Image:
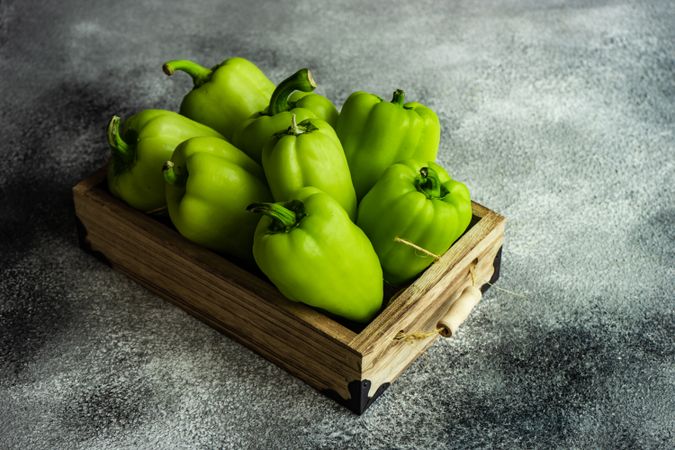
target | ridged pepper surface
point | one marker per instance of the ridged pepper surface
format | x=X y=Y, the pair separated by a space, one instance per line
x=308 y=154
x=376 y=134
x=311 y=250
x=209 y=184
x=417 y=203
x=293 y=96
x=138 y=150
x=225 y=95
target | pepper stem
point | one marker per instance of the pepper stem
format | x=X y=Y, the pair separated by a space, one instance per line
x=172 y=174
x=199 y=73
x=284 y=216
x=300 y=81
x=118 y=147
x=429 y=184
x=296 y=129
x=398 y=98
x=294 y=126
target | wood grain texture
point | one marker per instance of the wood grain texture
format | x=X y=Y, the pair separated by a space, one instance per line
x=244 y=305
x=296 y=337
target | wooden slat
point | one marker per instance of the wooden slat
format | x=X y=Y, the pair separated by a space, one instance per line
x=479 y=210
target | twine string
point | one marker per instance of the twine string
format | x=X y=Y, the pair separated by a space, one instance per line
x=417 y=247
x=420 y=335
x=515 y=294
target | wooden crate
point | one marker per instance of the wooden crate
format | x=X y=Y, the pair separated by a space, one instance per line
x=351 y=365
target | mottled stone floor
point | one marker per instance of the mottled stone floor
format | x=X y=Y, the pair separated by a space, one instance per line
x=560 y=115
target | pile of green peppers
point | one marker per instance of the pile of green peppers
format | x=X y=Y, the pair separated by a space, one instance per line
x=330 y=206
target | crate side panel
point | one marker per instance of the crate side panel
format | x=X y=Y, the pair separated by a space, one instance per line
x=405 y=307
x=242 y=313
x=392 y=357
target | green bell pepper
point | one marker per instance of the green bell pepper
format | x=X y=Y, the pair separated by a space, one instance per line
x=254 y=133
x=376 y=134
x=225 y=95
x=413 y=203
x=308 y=154
x=322 y=107
x=209 y=183
x=138 y=150
x=310 y=249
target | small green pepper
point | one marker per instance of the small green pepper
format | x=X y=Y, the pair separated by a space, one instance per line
x=413 y=203
x=138 y=150
x=376 y=134
x=254 y=133
x=308 y=154
x=310 y=249
x=209 y=184
x=225 y=95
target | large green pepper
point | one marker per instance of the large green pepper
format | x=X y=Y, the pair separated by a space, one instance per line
x=413 y=204
x=225 y=95
x=285 y=102
x=139 y=149
x=209 y=184
x=310 y=249
x=376 y=134
x=308 y=154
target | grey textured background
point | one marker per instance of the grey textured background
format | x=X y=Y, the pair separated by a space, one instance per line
x=558 y=114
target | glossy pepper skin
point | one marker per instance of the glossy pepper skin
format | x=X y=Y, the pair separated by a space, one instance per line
x=292 y=97
x=139 y=149
x=321 y=106
x=225 y=95
x=417 y=202
x=209 y=183
x=308 y=154
x=376 y=134
x=310 y=249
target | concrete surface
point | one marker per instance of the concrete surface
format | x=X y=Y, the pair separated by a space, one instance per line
x=558 y=114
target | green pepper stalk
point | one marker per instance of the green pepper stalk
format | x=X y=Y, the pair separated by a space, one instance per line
x=376 y=134
x=296 y=92
x=293 y=96
x=121 y=154
x=283 y=218
x=308 y=154
x=429 y=184
x=413 y=203
x=314 y=254
x=199 y=73
x=172 y=175
x=138 y=149
x=224 y=96
x=398 y=98
x=300 y=81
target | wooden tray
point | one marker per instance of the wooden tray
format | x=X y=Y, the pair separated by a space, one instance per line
x=351 y=365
